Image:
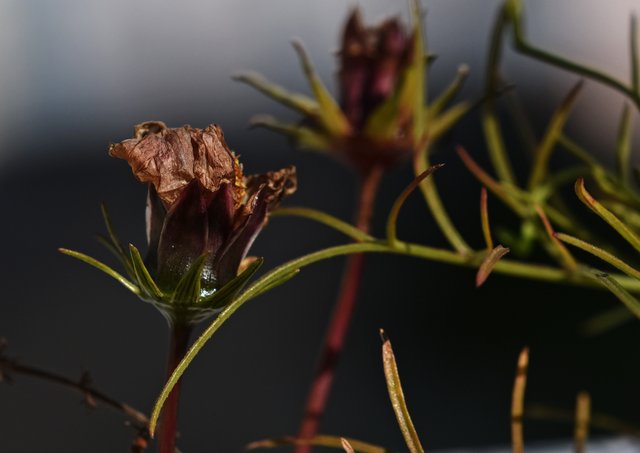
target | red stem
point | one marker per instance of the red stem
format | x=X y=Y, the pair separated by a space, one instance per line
x=341 y=317
x=178 y=343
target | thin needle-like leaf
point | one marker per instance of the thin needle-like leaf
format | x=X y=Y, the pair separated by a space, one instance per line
x=600 y=421
x=392 y=218
x=484 y=218
x=499 y=189
x=299 y=102
x=602 y=254
x=489 y=263
x=397 y=397
x=490 y=122
x=583 y=415
x=568 y=261
x=346 y=445
x=332 y=118
x=634 y=56
x=606 y=321
x=616 y=288
x=606 y=215
x=320 y=441
x=446 y=120
x=439 y=104
x=553 y=132
x=103 y=267
x=304 y=137
x=116 y=247
x=623 y=146
x=326 y=219
x=517 y=402
x=112 y=235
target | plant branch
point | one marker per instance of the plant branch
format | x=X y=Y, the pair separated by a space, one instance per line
x=341 y=318
x=178 y=343
x=10 y=367
x=432 y=197
x=523 y=46
x=507 y=267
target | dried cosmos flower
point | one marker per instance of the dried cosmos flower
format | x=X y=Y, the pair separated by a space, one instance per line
x=381 y=117
x=202 y=216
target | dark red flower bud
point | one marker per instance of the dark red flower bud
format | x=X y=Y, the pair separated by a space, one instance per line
x=372 y=60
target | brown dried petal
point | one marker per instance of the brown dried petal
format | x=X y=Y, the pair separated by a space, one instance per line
x=277 y=185
x=171 y=158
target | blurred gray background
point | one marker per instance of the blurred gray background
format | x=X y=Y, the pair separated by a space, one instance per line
x=78 y=75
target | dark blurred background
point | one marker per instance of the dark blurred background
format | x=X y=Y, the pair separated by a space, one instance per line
x=78 y=75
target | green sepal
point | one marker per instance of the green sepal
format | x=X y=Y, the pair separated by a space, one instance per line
x=332 y=117
x=442 y=123
x=299 y=102
x=304 y=137
x=113 y=243
x=223 y=296
x=441 y=102
x=103 y=267
x=187 y=290
x=145 y=281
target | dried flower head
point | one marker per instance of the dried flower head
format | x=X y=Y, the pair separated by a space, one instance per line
x=202 y=216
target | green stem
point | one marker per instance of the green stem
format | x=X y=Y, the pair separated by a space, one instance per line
x=490 y=123
x=523 y=46
x=432 y=197
x=506 y=267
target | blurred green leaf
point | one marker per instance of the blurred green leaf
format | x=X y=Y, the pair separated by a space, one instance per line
x=442 y=123
x=325 y=219
x=304 y=137
x=623 y=146
x=606 y=321
x=550 y=138
x=606 y=215
x=439 y=103
x=320 y=441
x=299 y=102
x=616 y=288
